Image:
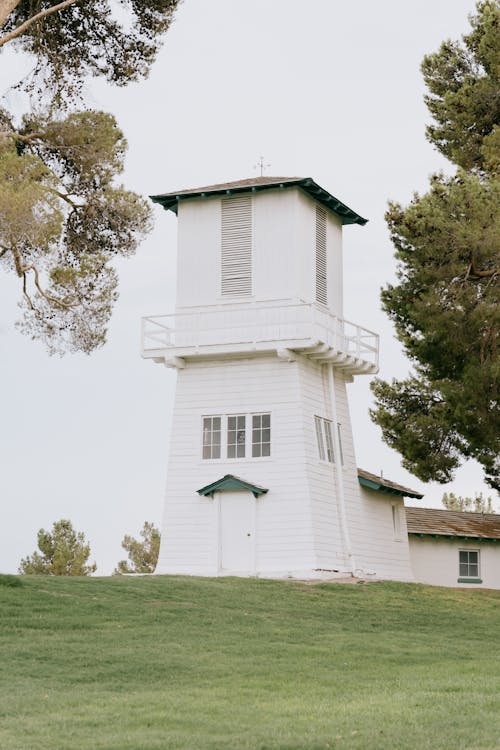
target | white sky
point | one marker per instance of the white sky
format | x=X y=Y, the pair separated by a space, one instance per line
x=325 y=89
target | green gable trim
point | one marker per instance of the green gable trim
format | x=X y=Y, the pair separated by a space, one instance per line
x=380 y=487
x=450 y=535
x=170 y=201
x=230 y=482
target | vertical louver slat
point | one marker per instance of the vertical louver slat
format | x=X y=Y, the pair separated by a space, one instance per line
x=236 y=252
x=321 y=291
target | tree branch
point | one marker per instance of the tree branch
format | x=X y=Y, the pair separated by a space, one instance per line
x=18 y=137
x=63 y=196
x=6 y=8
x=25 y=292
x=30 y=140
x=48 y=297
x=23 y=270
x=38 y=17
x=480 y=274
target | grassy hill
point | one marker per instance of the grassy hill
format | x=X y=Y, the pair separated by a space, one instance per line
x=171 y=662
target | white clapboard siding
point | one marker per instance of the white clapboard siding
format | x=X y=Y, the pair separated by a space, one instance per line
x=236 y=246
x=277 y=248
x=321 y=255
x=284 y=543
x=436 y=561
x=298 y=526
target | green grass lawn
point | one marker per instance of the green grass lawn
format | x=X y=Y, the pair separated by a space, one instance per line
x=172 y=662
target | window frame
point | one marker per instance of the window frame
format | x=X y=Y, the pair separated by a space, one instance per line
x=248 y=443
x=211 y=444
x=239 y=429
x=468 y=577
x=324 y=439
x=261 y=429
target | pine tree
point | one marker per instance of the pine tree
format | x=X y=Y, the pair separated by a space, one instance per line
x=64 y=216
x=445 y=306
x=143 y=555
x=63 y=552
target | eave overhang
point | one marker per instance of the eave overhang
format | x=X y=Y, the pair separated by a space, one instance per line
x=230 y=482
x=458 y=537
x=379 y=484
x=441 y=523
x=170 y=201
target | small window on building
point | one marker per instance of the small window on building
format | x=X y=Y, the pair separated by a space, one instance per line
x=236 y=436
x=468 y=563
x=211 y=437
x=261 y=435
x=324 y=438
x=327 y=427
x=319 y=437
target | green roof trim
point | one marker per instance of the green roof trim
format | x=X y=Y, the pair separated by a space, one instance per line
x=230 y=482
x=458 y=537
x=170 y=201
x=379 y=484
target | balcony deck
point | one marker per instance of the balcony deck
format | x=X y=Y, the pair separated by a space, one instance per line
x=249 y=329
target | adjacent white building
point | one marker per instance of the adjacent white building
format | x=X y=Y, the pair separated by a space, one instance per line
x=262 y=476
x=452 y=548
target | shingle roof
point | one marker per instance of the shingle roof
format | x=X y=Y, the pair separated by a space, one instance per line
x=170 y=201
x=374 y=482
x=452 y=523
x=250 y=182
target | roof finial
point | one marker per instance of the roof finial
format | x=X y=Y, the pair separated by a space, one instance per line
x=260 y=165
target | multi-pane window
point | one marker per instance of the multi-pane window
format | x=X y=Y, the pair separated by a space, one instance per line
x=211 y=437
x=236 y=434
x=324 y=439
x=468 y=563
x=261 y=435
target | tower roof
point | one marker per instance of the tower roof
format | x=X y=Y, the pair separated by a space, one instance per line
x=170 y=201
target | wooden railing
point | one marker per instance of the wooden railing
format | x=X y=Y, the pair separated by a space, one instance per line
x=237 y=325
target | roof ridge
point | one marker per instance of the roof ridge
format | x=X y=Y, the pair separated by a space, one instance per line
x=170 y=201
x=244 y=182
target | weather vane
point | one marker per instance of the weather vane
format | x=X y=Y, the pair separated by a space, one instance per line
x=260 y=165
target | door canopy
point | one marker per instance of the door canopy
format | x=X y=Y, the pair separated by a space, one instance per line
x=230 y=482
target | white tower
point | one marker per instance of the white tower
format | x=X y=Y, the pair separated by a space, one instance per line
x=262 y=477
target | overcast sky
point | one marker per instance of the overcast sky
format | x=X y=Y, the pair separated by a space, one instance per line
x=324 y=89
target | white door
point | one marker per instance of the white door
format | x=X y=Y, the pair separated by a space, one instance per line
x=237 y=529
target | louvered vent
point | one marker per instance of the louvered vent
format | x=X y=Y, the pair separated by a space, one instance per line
x=236 y=256
x=321 y=293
